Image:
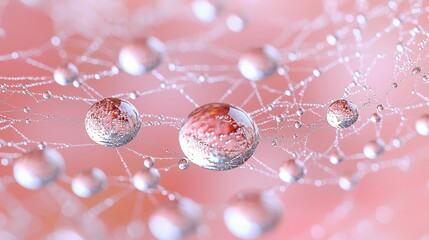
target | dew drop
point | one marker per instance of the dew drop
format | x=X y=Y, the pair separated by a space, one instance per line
x=422 y=125
x=375 y=118
x=26 y=109
x=348 y=181
x=291 y=170
x=259 y=63
x=416 y=70
x=37 y=168
x=66 y=74
x=141 y=55
x=183 y=164
x=206 y=10
x=148 y=162
x=251 y=214
x=112 y=122
x=218 y=136
x=336 y=157
x=146 y=179
x=47 y=94
x=175 y=220
x=342 y=114
x=89 y=182
x=235 y=23
x=374 y=148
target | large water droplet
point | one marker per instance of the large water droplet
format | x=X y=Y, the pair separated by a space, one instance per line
x=251 y=214
x=175 y=220
x=66 y=74
x=259 y=63
x=89 y=182
x=342 y=114
x=38 y=167
x=141 y=55
x=218 y=136
x=206 y=10
x=112 y=122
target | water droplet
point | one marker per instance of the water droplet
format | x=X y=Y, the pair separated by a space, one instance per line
x=361 y=19
x=218 y=136
x=400 y=47
x=47 y=94
x=206 y=10
x=425 y=78
x=89 y=182
x=342 y=114
x=235 y=23
x=26 y=109
x=375 y=118
x=112 y=122
x=348 y=181
x=175 y=220
x=183 y=164
x=134 y=95
x=259 y=63
x=380 y=107
x=316 y=72
x=141 y=55
x=148 y=161
x=336 y=157
x=331 y=40
x=66 y=74
x=396 y=22
x=291 y=170
x=422 y=125
x=394 y=85
x=41 y=145
x=299 y=112
x=374 y=148
x=251 y=214
x=298 y=124
x=146 y=179
x=38 y=167
x=417 y=70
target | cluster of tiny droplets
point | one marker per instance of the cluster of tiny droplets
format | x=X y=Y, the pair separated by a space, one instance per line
x=277 y=83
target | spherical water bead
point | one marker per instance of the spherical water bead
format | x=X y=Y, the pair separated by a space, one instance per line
x=336 y=157
x=218 y=136
x=206 y=10
x=380 y=107
x=89 y=182
x=235 y=23
x=342 y=114
x=375 y=118
x=26 y=109
x=175 y=220
x=374 y=148
x=148 y=161
x=417 y=70
x=146 y=179
x=292 y=170
x=66 y=74
x=348 y=181
x=299 y=112
x=251 y=214
x=47 y=94
x=141 y=55
x=38 y=167
x=112 y=122
x=183 y=164
x=259 y=63
x=422 y=125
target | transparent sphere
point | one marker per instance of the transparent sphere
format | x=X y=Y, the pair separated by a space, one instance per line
x=206 y=10
x=141 y=55
x=218 y=136
x=183 y=164
x=342 y=114
x=112 y=122
x=66 y=74
x=251 y=214
x=259 y=63
x=336 y=157
x=175 y=220
x=89 y=182
x=348 y=181
x=374 y=148
x=291 y=171
x=146 y=179
x=37 y=168
x=422 y=125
